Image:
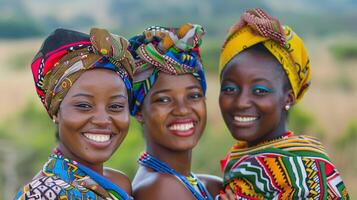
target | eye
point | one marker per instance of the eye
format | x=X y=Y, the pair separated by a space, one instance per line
x=83 y=106
x=162 y=99
x=196 y=95
x=116 y=107
x=261 y=90
x=229 y=89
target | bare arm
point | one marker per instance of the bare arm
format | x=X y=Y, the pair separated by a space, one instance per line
x=212 y=183
x=119 y=178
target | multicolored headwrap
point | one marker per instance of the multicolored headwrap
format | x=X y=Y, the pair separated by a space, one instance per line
x=174 y=51
x=255 y=26
x=66 y=54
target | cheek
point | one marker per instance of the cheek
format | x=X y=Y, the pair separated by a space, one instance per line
x=200 y=108
x=72 y=121
x=225 y=103
x=270 y=107
x=122 y=122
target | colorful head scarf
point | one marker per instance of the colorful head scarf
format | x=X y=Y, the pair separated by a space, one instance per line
x=255 y=26
x=174 y=51
x=66 y=54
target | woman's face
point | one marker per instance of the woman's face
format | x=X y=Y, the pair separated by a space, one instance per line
x=173 y=113
x=252 y=97
x=93 y=118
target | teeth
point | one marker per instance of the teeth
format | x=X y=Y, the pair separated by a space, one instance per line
x=244 y=119
x=97 y=138
x=181 y=127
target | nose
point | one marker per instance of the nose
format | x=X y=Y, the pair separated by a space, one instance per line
x=243 y=100
x=101 y=118
x=181 y=107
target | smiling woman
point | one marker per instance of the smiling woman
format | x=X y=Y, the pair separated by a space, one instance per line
x=264 y=71
x=84 y=82
x=169 y=102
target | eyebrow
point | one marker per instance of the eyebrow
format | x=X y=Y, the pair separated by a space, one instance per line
x=91 y=96
x=261 y=79
x=119 y=96
x=168 y=90
x=83 y=94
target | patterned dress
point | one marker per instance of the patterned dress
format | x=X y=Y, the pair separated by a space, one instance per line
x=66 y=179
x=292 y=167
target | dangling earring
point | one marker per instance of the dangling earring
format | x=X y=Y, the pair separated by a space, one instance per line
x=54 y=119
x=287 y=107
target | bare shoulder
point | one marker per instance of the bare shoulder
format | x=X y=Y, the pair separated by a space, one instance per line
x=159 y=186
x=212 y=183
x=119 y=178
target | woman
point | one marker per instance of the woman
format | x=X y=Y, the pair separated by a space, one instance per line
x=169 y=102
x=264 y=71
x=84 y=82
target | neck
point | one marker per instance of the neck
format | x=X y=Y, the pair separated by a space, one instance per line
x=70 y=155
x=279 y=131
x=177 y=160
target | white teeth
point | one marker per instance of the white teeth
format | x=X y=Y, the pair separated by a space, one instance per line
x=181 y=127
x=244 y=119
x=97 y=137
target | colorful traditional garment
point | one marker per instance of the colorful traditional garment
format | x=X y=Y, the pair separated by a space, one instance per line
x=291 y=167
x=255 y=26
x=191 y=182
x=169 y=50
x=62 y=178
x=66 y=54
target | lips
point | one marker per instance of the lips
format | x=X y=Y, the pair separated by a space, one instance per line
x=183 y=127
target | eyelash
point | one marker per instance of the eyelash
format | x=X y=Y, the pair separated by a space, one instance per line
x=162 y=100
x=83 y=106
x=261 y=90
x=116 y=107
x=196 y=95
x=229 y=89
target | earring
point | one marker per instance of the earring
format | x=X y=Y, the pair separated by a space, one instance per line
x=54 y=119
x=287 y=107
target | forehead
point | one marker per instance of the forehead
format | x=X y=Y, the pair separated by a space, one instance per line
x=98 y=79
x=175 y=82
x=257 y=63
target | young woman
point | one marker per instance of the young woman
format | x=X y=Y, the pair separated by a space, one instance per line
x=84 y=82
x=264 y=71
x=169 y=102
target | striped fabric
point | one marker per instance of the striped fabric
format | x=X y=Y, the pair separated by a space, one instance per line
x=293 y=167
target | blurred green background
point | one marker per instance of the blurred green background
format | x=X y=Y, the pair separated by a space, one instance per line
x=328 y=110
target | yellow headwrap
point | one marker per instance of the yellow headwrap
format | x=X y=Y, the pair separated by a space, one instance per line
x=254 y=27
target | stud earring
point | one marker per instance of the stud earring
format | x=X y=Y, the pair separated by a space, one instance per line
x=287 y=107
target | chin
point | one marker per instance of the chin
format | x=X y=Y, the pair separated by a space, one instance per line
x=98 y=158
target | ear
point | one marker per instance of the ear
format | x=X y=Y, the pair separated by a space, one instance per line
x=289 y=100
x=139 y=117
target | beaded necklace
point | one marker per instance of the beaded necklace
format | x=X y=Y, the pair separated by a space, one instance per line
x=190 y=182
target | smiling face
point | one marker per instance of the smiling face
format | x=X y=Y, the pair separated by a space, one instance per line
x=173 y=113
x=253 y=96
x=93 y=118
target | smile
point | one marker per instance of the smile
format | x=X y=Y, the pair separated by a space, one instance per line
x=181 y=127
x=244 y=119
x=97 y=137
